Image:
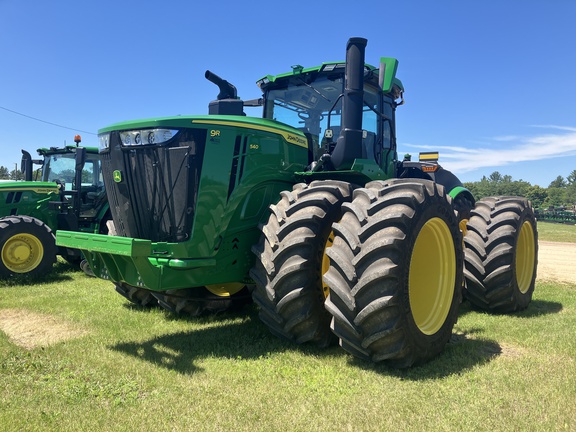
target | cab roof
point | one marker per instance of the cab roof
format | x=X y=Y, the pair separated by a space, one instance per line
x=389 y=65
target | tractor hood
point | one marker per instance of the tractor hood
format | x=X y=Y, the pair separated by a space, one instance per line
x=153 y=168
x=21 y=186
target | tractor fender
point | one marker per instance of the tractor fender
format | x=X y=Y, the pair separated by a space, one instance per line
x=442 y=176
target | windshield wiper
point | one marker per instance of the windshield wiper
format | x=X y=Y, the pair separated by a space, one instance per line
x=315 y=90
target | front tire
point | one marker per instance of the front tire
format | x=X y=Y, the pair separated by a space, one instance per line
x=28 y=247
x=501 y=254
x=288 y=270
x=138 y=296
x=395 y=276
x=212 y=299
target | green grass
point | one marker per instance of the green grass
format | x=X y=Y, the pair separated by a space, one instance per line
x=138 y=369
x=549 y=231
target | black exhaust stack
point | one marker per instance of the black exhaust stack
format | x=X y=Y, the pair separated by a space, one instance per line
x=349 y=143
x=26 y=165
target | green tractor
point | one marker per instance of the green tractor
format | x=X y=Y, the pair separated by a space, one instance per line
x=309 y=211
x=33 y=210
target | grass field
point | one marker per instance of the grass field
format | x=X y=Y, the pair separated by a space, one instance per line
x=556 y=232
x=88 y=360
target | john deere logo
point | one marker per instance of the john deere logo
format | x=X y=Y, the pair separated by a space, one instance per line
x=117 y=176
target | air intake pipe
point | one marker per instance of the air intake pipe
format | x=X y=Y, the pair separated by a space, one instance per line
x=349 y=143
x=227 y=90
x=227 y=102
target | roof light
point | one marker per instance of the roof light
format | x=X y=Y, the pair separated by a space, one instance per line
x=263 y=81
x=329 y=67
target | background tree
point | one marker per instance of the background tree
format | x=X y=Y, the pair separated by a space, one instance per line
x=482 y=188
x=571 y=179
x=571 y=195
x=16 y=174
x=559 y=182
x=556 y=197
x=561 y=192
x=537 y=195
x=571 y=189
x=495 y=177
x=498 y=184
x=4 y=173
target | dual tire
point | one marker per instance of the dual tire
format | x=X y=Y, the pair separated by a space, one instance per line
x=501 y=254
x=391 y=254
x=384 y=266
x=396 y=272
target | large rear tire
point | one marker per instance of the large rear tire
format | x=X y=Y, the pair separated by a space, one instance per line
x=395 y=272
x=289 y=264
x=501 y=254
x=28 y=247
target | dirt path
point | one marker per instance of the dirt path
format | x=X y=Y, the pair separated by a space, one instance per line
x=31 y=330
x=557 y=261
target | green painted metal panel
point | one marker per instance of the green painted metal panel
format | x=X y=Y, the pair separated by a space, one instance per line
x=456 y=191
x=390 y=67
x=30 y=199
x=103 y=243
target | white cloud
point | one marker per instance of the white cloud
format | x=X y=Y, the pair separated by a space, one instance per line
x=567 y=128
x=507 y=138
x=493 y=153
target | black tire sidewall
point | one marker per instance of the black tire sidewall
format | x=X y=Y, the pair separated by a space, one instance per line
x=370 y=271
x=432 y=344
x=302 y=318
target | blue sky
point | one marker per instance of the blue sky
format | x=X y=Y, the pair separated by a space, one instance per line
x=489 y=84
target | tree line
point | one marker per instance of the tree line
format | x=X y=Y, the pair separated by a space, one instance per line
x=6 y=174
x=561 y=192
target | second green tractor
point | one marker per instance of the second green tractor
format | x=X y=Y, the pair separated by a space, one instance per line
x=67 y=192
x=309 y=212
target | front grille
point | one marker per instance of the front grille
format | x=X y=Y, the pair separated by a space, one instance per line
x=155 y=198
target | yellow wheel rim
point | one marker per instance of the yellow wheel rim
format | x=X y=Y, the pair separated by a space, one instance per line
x=22 y=253
x=326 y=263
x=525 y=253
x=462 y=225
x=432 y=276
x=225 y=290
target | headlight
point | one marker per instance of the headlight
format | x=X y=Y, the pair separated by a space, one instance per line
x=104 y=140
x=146 y=136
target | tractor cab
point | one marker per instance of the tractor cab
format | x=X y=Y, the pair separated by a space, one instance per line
x=59 y=166
x=311 y=100
x=77 y=172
